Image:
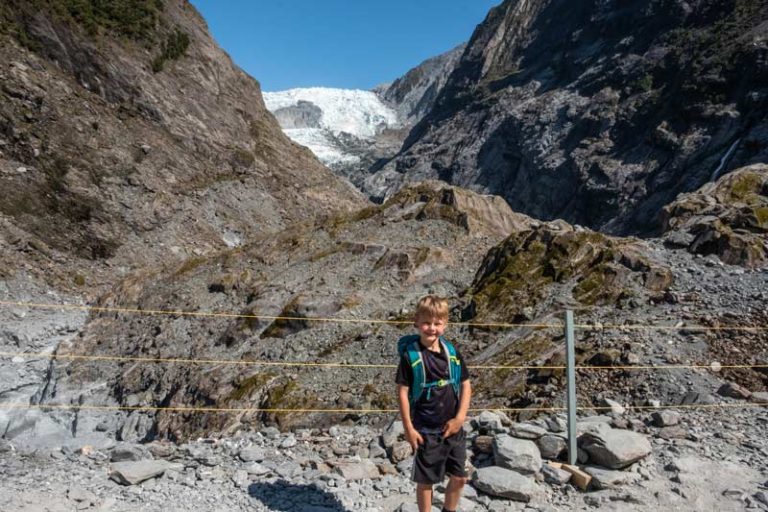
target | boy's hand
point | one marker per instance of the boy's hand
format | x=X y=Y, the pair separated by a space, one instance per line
x=452 y=426
x=414 y=438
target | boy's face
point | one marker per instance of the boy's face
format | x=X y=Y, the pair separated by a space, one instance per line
x=430 y=328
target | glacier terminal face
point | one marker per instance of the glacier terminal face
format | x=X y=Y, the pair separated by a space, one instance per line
x=320 y=118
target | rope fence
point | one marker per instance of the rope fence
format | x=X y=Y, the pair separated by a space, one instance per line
x=570 y=368
x=238 y=410
x=162 y=360
x=204 y=314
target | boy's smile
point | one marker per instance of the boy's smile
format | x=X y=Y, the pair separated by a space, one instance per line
x=430 y=329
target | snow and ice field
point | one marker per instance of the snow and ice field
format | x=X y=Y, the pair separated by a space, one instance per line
x=355 y=112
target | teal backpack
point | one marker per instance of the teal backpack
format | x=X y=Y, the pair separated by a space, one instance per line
x=409 y=345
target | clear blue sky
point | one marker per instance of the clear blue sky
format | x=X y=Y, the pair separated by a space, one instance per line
x=354 y=44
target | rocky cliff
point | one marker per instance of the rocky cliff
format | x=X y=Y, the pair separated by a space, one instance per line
x=414 y=94
x=598 y=112
x=128 y=140
x=128 y=136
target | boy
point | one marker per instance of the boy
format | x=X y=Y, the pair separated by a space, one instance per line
x=433 y=415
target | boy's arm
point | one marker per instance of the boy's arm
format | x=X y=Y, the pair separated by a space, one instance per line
x=411 y=434
x=454 y=425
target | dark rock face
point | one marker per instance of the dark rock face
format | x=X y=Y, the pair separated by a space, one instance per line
x=414 y=94
x=596 y=112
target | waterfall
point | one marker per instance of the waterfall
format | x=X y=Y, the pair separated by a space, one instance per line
x=723 y=160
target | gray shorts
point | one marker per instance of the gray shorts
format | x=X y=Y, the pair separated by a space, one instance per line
x=438 y=456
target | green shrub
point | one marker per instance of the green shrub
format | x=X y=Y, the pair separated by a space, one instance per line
x=645 y=83
x=175 y=46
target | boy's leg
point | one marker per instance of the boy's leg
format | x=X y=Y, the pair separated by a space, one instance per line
x=453 y=492
x=456 y=460
x=424 y=497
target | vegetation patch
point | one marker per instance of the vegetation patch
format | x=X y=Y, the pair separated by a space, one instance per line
x=189 y=265
x=174 y=46
x=243 y=388
x=521 y=271
x=135 y=19
x=746 y=188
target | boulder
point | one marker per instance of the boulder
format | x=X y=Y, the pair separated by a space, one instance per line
x=733 y=390
x=673 y=432
x=613 y=406
x=608 y=479
x=665 y=418
x=351 y=471
x=126 y=452
x=614 y=449
x=252 y=454
x=505 y=483
x=551 y=446
x=135 y=472
x=489 y=422
x=401 y=451
x=553 y=475
x=520 y=455
x=526 y=431
x=392 y=434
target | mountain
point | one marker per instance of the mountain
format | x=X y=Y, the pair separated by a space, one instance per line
x=129 y=137
x=596 y=112
x=413 y=94
x=351 y=130
x=128 y=140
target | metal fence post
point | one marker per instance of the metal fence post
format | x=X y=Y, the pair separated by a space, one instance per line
x=570 y=371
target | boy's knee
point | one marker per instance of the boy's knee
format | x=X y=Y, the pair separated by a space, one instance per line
x=424 y=487
x=458 y=481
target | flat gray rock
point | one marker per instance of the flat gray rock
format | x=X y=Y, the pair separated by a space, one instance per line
x=526 y=431
x=357 y=470
x=553 y=475
x=135 y=472
x=252 y=454
x=505 y=483
x=520 y=455
x=609 y=479
x=615 y=449
x=126 y=452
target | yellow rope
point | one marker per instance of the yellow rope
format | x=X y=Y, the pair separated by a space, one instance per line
x=45 y=355
x=586 y=327
x=11 y=405
x=253 y=317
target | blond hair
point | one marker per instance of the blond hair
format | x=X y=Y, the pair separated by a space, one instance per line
x=432 y=306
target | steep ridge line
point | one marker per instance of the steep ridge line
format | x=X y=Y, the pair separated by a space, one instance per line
x=584 y=327
x=42 y=355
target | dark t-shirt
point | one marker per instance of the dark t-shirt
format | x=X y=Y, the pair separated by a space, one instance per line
x=429 y=415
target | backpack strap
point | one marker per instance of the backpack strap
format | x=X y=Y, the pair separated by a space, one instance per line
x=409 y=346
x=454 y=366
x=419 y=373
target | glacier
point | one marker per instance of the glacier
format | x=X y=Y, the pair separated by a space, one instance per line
x=316 y=117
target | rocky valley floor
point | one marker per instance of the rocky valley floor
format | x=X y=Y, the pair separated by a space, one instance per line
x=716 y=461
